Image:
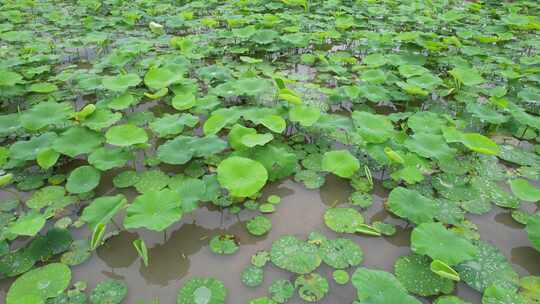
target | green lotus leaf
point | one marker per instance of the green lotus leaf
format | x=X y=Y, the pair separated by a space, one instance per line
x=224 y=244
x=434 y=240
x=341 y=162
x=500 y=295
x=429 y=145
x=486 y=113
x=260 y=258
x=192 y=291
x=16 y=262
x=294 y=255
x=125 y=179
x=479 y=143
x=426 y=122
x=83 y=179
x=122 y=101
x=444 y=271
x=76 y=141
x=467 y=76
x=412 y=205
x=151 y=180
x=525 y=190
x=9 y=124
x=311 y=287
x=449 y=300
x=29 y=149
x=191 y=191
x=43 y=87
x=376 y=286
x=519 y=156
x=252 y=140
x=219 y=119
x=107 y=158
x=9 y=78
x=102 y=210
x=184 y=101
x=533 y=230
x=154 y=210
x=409 y=70
x=45 y=282
x=281 y=291
x=237 y=133
x=278 y=160
x=372 y=127
x=159 y=78
x=46 y=114
x=44 y=247
x=126 y=135
x=28 y=224
x=172 y=124
x=306 y=116
x=242 y=177
x=252 y=276
x=79 y=253
x=182 y=149
x=259 y=225
x=101 y=119
x=264 y=36
x=341 y=276
x=343 y=220
x=414 y=273
x=274 y=123
x=69 y=298
x=530 y=289
x=47 y=158
x=120 y=83
x=341 y=253
x=46 y=196
x=109 y=292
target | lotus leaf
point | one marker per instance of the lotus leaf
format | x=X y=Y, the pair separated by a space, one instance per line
x=341 y=162
x=191 y=292
x=43 y=87
x=126 y=135
x=259 y=225
x=449 y=300
x=45 y=282
x=413 y=271
x=341 y=253
x=126 y=179
x=154 y=210
x=101 y=119
x=372 y=127
x=120 y=83
x=376 y=286
x=304 y=115
x=45 y=114
x=103 y=209
x=172 y=124
x=76 y=141
x=500 y=295
x=183 y=148
x=533 y=230
x=341 y=276
x=159 y=78
x=46 y=196
x=467 y=76
x=281 y=291
x=28 y=224
x=108 y=292
x=107 y=158
x=411 y=205
x=293 y=255
x=252 y=276
x=224 y=244
x=242 y=177
x=429 y=145
x=525 y=190
x=151 y=180
x=83 y=179
x=343 y=220
x=311 y=287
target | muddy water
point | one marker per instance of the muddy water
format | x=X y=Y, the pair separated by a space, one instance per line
x=182 y=252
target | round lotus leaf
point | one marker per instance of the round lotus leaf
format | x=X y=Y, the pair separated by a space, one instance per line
x=533 y=230
x=76 y=141
x=202 y=291
x=341 y=276
x=109 y=292
x=412 y=205
x=46 y=196
x=311 y=287
x=69 y=297
x=264 y=36
x=242 y=177
x=45 y=114
x=126 y=135
x=274 y=199
x=159 y=78
x=310 y=178
x=184 y=101
x=384 y=228
x=252 y=276
x=306 y=116
x=488 y=267
x=376 y=286
x=499 y=295
x=434 y=240
x=107 y=158
x=103 y=209
x=281 y=291
x=83 y=179
x=372 y=127
x=126 y=179
x=172 y=124
x=414 y=273
x=480 y=143
x=467 y=76
x=341 y=253
x=152 y=180
x=342 y=163
x=224 y=244
x=260 y=258
x=120 y=83
x=343 y=220
x=181 y=149
x=259 y=225
x=45 y=282
x=122 y=102
x=30 y=299
x=154 y=210
x=294 y=255
x=525 y=190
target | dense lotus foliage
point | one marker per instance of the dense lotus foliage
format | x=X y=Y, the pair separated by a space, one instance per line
x=123 y=115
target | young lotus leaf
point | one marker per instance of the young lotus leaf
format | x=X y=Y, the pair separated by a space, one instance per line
x=47 y=158
x=341 y=253
x=260 y=258
x=122 y=102
x=372 y=127
x=410 y=204
x=413 y=271
x=525 y=190
x=341 y=162
x=183 y=148
x=28 y=224
x=274 y=123
x=533 y=230
x=341 y=277
x=45 y=114
x=252 y=276
x=45 y=282
x=108 y=292
x=343 y=220
x=444 y=271
x=242 y=177
x=154 y=210
x=126 y=135
x=159 y=78
x=480 y=143
x=83 y=179
x=306 y=116
x=434 y=240
x=202 y=291
x=103 y=209
x=120 y=83
x=311 y=287
x=76 y=141
x=429 y=145
x=281 y=291
x=79 y=253
x=376 y=286
x=224 y=244
x=126 y=179
x=294 y=255
x=467 y=76
x=259 y=225
x=107 y=158
x=237 y=133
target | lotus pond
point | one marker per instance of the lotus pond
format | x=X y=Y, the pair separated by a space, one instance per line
x=265 y=152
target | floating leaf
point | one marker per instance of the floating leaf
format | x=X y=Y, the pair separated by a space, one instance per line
x=83 y=179
x=293 y=255
x=412 y=205
x=191 y=291
x=259 y=225
x=224 y=244
x=342 y=163
x=372 y=127
x=154 y=210
x=120 y=83
x=525 y=190
x=108 y=292
x=126 y=135
x=341 y=253
x=414 y=273
x=343 y=220
x=281 y=291
x=45 y=282
x=311 y=287
x=376 y=286
x=252 y=276
x=243 y=177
